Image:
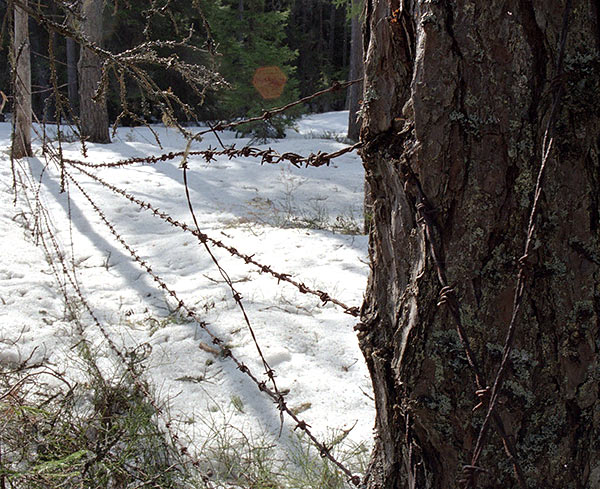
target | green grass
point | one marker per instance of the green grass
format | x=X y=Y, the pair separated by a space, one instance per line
x=237 y=457
x=103 y=432
x=97 y=433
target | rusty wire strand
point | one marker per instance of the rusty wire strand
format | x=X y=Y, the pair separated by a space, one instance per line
x=269 y=156
x=237 y=297
x=448 y=297
x=70 y=277
x=267 y=114
x=547 y=145
x=226 y=352
x=202 y=237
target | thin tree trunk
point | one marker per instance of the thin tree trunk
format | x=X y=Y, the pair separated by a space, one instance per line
x=354 y=95
x=72 y=90
x=93 y=114
x=459 y=94
x=21 y=144
x=39 y=72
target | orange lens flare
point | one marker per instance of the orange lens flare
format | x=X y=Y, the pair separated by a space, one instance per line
x=269 y=81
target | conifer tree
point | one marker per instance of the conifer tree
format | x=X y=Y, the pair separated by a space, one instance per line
x=251 y=36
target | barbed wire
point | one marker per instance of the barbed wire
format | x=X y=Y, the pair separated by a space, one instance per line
x=423 y=209
x=325 y=298
x=276 y=396
x=266 y=156
x=448 y=296
x=269 y=156
x=237 y=297
x=124 y=63
x=43 y=230
x=547 y=145
x=267 y=114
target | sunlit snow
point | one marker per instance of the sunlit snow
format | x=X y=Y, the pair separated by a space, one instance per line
x=291 y=219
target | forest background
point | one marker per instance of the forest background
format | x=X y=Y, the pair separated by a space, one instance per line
x=308 y=40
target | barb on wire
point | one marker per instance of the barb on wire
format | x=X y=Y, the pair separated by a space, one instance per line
x=69 y=278
x=276 y=396
x=273 y=157
x=237 y=297
x=202 y=237
x=449 y=298
x=269 y=156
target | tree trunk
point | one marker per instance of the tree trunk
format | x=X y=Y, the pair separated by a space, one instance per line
x=21 y=144
x=356 y=71
x=93 y=114
x=458 y=95
x=72 y=90
x=39 y=72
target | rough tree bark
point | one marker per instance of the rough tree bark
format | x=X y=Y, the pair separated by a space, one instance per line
x=457 y=98
x=356 y=71
x=21 y=144
x=93 y=114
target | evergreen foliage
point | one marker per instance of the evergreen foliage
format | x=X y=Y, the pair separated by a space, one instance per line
x=250 y=36
x=307 y=39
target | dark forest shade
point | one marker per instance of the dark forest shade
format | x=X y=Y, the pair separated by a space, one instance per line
x=312 y=46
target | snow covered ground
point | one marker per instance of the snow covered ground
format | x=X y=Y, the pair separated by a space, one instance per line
x=281 y=215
